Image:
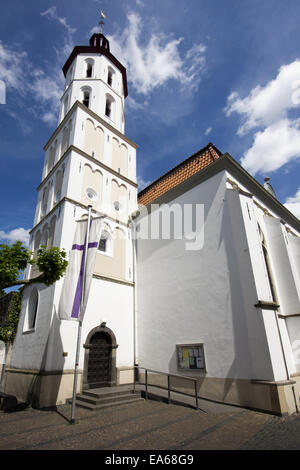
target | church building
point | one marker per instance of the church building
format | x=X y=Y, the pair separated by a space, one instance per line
x=197 y=276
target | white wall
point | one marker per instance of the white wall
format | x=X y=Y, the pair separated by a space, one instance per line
x=201 y=296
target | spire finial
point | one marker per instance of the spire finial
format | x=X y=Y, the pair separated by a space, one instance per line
x=103 y=16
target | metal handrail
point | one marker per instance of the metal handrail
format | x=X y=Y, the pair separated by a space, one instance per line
x=169 y=387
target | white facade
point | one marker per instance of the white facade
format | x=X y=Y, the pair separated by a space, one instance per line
x=231 y=295
x=219 y=296
x=88 y=161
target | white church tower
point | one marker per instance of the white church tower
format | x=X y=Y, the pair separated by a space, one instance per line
x=88 y=161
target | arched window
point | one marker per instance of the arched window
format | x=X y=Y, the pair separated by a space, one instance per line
x=105 y=244
x=65 y=106
x=268 y=265
x=45 y=236
x=66 y=137
x=44 y=204
x=37 y=241
x=110 y=76
x=51 y=158
x=89 y=68
x=32 y=310
x=86 y=98
x=58 y=185
x=52 y=231
x=109 y=107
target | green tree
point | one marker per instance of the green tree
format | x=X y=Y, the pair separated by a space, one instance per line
x=51 y=263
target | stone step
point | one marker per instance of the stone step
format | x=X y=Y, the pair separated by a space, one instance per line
x=100 y=406
x=104 y=393
x=96 y=400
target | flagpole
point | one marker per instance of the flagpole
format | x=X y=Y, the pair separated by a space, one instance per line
x=72 y=421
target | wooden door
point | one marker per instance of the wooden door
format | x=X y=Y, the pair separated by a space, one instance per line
x=99 y=364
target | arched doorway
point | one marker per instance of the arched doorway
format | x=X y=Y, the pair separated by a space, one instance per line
x=100 y=359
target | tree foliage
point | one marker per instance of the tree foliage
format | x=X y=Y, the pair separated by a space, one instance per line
x=13 y=260
x=8 y=332
x=51 y=263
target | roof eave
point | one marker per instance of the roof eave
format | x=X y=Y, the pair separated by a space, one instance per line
x=227 y=162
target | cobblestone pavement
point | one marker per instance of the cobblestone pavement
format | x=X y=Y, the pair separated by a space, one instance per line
x=148 y=425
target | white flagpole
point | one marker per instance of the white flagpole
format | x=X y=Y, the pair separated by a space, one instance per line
x=79 y=321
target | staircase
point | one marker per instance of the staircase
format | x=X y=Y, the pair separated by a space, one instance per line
x=100 y=398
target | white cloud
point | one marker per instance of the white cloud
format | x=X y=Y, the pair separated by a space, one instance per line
x=18 y=234
x=266 y=105
x=208 y=130
x=278 y=140
x=293 y=204
x=152 y=64
x=47 y=91
x=67 y=47
x=12 y=67
x=133 y=104
x=273 y=147
x=142 y=184
x=50 y=118
x=43 y=86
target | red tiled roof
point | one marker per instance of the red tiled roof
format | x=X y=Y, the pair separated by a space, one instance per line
x=180 y=173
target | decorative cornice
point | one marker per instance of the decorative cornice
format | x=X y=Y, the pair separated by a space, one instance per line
x=113 y=279
x=91 y=159
x=102 y=165
x=227 y=163
x=78 y=204
x=264 y=209
x=106 y=124
x=60 y=126
x=289 y=315
x=236 y=187
x=97 y=50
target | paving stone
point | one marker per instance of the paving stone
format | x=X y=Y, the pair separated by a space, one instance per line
x=149 y=425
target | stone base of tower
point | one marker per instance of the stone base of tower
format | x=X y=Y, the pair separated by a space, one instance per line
x=51 y=388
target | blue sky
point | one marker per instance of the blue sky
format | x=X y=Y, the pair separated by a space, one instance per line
x=226 y=71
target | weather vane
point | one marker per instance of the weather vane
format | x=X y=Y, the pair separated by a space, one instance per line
x=103 y=16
